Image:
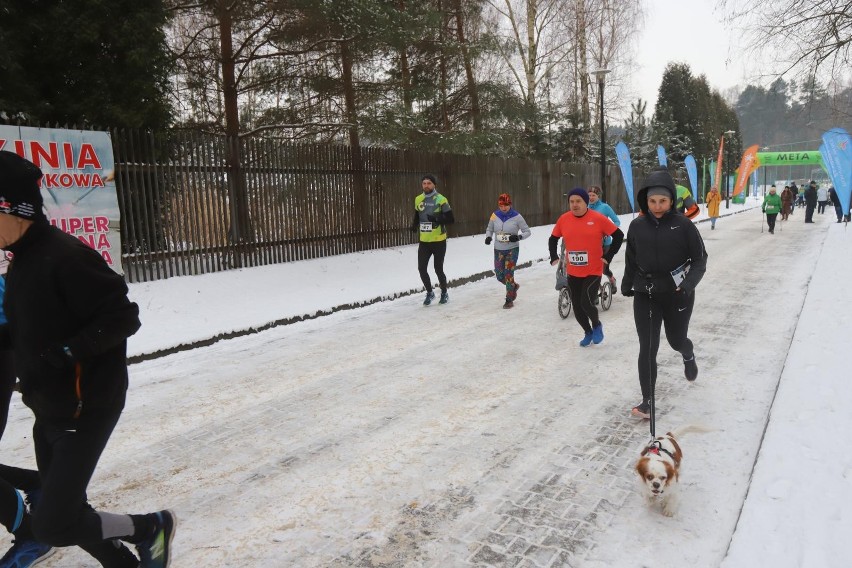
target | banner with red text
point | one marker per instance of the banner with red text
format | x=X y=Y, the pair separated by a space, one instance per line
x=78 y=185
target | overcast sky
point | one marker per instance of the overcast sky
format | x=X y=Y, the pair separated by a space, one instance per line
x=688 y=31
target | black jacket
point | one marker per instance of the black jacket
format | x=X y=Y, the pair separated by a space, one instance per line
x=656 y=247
x=61 y=293
x=810 y=195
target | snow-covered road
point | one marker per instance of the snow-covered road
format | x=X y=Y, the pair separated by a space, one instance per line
x=398 y=435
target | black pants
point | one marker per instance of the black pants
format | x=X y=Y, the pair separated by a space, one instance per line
x=583 y=292
x=770 y=220
x=809 y=212
x=650 y=312
x=839 y=211
x=438 y=250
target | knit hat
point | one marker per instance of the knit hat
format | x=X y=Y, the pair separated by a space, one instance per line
x=430 y=177
x=504 y=199
x=19 y=192
x=658 y=190
x=581 y=192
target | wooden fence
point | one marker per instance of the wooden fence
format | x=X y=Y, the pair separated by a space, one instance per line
x=194 y=203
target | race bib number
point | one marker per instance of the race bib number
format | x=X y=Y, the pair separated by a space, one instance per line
x=679 y=273
x=502 y=238
x=578 y=257
x=426 y=227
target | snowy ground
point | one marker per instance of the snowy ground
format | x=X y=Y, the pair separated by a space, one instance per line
x=467 y=435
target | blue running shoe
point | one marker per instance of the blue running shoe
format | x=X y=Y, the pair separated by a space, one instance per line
x=430 y=295
x=445 y=297
x=156 y=550
x=25 y=553
x=587 y=340
x=597 y=334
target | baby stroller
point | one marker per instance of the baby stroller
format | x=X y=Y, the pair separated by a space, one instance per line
x=605 y=292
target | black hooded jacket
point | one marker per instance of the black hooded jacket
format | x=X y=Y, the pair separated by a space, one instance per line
x=61 y=293
x=656 y=247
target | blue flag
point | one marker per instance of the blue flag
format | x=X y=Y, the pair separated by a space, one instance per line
x=623 y=155
x=692 y=172
x=836 y=154
x=661 y=156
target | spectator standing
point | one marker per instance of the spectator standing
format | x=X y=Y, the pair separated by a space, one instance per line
x=713 y=199
x=810 y=201
x=822 y=199
x=786 y=202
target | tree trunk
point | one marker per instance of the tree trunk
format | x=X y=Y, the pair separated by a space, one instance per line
x=405 y=71
x=445 y=115
x=468 y=69
x=357 y=160
x=240 y=229
x=583 y=72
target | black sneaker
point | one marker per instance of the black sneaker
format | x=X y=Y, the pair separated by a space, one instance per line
x=430 y=295
x=156 y=550
x=690 y=369
x=642 y=410
x=445 y=297
x=509 y=304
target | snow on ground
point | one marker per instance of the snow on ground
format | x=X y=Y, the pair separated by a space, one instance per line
x=466 y=435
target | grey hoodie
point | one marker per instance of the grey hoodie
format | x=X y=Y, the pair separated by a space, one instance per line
x=511 y=226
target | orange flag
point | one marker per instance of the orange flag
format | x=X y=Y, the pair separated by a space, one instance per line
x=749 y=163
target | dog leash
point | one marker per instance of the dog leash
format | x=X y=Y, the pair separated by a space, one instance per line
x=652 y=383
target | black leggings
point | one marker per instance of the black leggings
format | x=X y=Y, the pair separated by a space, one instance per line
x=584 y=291
x=426 y=250
x=650 y=312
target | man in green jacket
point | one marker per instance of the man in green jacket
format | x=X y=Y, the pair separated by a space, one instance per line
x=771 y=206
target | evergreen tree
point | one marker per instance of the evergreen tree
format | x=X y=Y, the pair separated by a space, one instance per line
x=87 y=62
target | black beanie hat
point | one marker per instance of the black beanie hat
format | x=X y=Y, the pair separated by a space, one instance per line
x=430 y=177
x=581 y=192
x=19 y=192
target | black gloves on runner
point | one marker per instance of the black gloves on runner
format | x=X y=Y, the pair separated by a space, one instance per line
x=627 y=292
x=514 y=238
x=58 y=357
x=487 y=240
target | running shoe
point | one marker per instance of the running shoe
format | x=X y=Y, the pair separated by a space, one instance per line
x=690 y=369
x=509 y=304
x=587 y=339
x=445 y=297
x=156 y=550
x=430 y=295
x=25 y=553
x=597 y=333
x=642 y=410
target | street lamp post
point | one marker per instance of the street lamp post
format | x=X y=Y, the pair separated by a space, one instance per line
x=730 y=135
x=600 y=74
x=765 y=149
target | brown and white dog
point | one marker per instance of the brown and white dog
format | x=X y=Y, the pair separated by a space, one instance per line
x=659 y=469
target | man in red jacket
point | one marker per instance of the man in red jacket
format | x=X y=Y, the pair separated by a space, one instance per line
x=583 y=230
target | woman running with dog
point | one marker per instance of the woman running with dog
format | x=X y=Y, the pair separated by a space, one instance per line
x=664 y=262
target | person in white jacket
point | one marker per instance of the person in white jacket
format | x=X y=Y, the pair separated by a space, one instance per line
x=822 y=199
x=506 y=228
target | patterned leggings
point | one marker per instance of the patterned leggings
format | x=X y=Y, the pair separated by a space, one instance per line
x=504 y=269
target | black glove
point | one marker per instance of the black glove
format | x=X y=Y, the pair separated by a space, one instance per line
x=487 y=240
x=627 y=292
x=58 y=356
x=434 y=219
x=514 y=238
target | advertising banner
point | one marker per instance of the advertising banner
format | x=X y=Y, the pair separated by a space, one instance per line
x=78 y=185
x=837 y=153
x=692 y=172
x=661 y=156
x=748 y=164
x=718 y=175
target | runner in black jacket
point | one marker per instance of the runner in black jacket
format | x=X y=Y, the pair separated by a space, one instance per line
x=665 y=260
x=68 y=323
